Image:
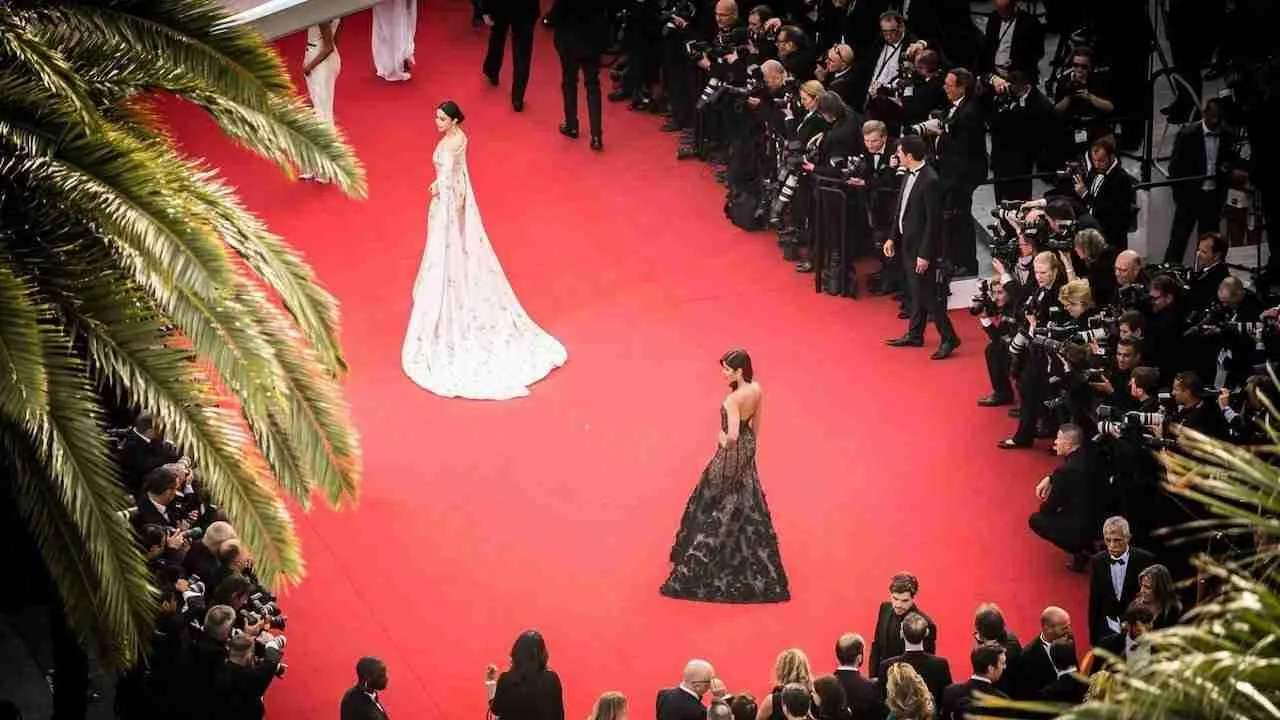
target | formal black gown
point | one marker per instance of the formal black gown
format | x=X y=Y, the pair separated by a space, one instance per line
x=726 y=549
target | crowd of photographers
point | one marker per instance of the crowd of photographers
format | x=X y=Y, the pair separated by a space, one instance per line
x=798 y=104
x=218 y=642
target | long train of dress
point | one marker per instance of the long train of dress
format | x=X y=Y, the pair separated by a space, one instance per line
x=726 y=549
x=468 y=335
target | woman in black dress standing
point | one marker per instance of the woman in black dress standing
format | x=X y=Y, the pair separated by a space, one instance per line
x=529 y=690
x=726 y=549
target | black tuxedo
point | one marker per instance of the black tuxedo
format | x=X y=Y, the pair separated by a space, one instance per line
x=888 y=642
x=860 y=25
x=1195 y=207
x=962 y=164
x=1103 y=601
x=358 y=705
x=678 y=704
x=1018 y=144
x=149 y=514
x=1065 y=689
x=925 y=97
x=935 y=671
x=1068 y=517
x=1033 y=671
x=862 y=695
x=1027 y=44
x=919 y=235
x=519 y=18
x=868 y=68
x=1204 y=285
x=846 y=86
x=957 y=698
x=581 y=33
x=1112 y=204
x=1114 y=644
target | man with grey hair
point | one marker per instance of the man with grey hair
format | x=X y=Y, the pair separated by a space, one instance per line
x=1113 y=578
x=684 y=702
x=862 y=694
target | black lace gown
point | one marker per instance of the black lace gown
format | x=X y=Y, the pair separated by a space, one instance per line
x=726 y=549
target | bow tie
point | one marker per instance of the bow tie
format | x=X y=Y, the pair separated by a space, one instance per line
x=1117 y=561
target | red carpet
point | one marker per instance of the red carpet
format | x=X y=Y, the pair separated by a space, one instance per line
x=479 y=520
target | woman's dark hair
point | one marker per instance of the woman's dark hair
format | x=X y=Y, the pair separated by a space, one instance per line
x=450 y=108
x=528 y=654
x=832 y=702
x=738 y=360
x=743 y=706
x=830 y=104
x=1163 y=592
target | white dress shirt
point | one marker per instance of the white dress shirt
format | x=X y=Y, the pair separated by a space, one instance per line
x=1211 y=139
x=907 y=187
x=1117 y=585
x=1004 y=47
x=887 y=65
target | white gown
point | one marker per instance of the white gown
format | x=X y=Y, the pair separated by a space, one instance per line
x=468 y=335
x=324 y=77
x=394 y=24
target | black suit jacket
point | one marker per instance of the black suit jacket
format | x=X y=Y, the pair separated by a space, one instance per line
x=677 y=704
x=860 y=26
x=581 y=27
x=1188 y=158
x=1065 y=689
x=862 y=695
x=1204 y=285
x=1103 y=602
x=149 y=514
x=1112 y=205
x=1027 y=49
x=957 y=698
x=515 y=11
x=962 y=149
x=357 y=705
x=1033 y=671
x=536 y=697
x=921 y=232
x=842 y=140
x=887 y=642
x=1071 y=491
x=935 y=671
x=846 y=86
x=1113 y=644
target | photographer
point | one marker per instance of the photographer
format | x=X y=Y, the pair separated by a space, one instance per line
x=1084 y=113
x=1071 y=499
x=1018 y=277
x=918 y=94
x=842 y=140
x=681 y=23
x=1012 y=42
x=1225 y=336
x=244 y=678
x=994 y=310
x=143 y=449
x=835 y=72
x=1113 y=386
x=1165 y=322
x=1107 y=192
x=961 y=148
x=795 y=52
x=879 y=68
x=1203 y=148
x=1094 y=260
x=1210 y=270
x=720 y=63
x=1197 y=409
x=1030 y=363
x=1243 y=411
x=880 y=182
x=798 y=139
x=1022 y=117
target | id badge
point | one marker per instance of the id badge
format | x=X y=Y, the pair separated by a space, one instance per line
x=1209 y=185
x=909 y=91
x=1082 y=136
x=1237 y=199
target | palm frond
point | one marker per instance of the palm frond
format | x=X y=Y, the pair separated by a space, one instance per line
x=41 y=63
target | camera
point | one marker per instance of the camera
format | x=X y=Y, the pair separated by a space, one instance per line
x=683 y=9
x=795 y=154
x=1073 y=169
x=982 y=303
x=939 y=115
x=849 y=167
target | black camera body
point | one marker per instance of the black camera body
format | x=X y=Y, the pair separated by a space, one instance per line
x=982 y=303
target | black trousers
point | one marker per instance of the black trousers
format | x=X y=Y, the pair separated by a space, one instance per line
x=1010 y=162
x=588 y=65
x=1198 y=211
x=679 y=80
x=960 y=240
x=521 y=51
x=922 y=288
x=1064 y=532
x=997 y=354
x=1033 y=390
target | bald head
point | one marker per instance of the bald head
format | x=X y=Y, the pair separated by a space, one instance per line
x=1054 y=623
x=1128 y=267
x=697 y=675
x=719 y=711
x=849 y=649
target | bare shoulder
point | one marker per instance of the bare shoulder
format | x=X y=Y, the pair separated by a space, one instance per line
x=454 y=143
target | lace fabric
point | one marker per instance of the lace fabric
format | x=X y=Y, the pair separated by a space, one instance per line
x=726 y=549
x=468 y=335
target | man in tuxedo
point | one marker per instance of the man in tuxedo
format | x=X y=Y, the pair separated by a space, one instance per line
x=144 y=449
x=1203 y=148
x=1113 y=578
x=1035 y=667
x=1138 y=620
x=156 y=504
x=879 y=183
x=837 y=74
x=862 y=694
x=887 y=641
x=1018 y=127
x=581 y=32
x=962 y=164
x=1107 y=192
x=1068 y=506
x=917 y=236
x=1013 y=40
x=935 y=671
x=519 y=18
x=988 y=662
x=684 y=702
x=1066 y=687
x=361 y=701
x=1211 y=270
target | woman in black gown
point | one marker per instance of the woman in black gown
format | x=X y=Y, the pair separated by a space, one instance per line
x=726 y=549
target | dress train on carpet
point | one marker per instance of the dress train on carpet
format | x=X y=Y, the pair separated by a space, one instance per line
x=468 y=335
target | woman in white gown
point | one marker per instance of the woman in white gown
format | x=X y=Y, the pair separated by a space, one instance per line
x=468 y=335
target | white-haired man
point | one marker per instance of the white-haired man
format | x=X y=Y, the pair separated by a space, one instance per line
x=1113 y=578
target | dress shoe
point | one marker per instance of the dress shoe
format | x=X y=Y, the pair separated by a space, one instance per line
x=619 y=95
x=493 y=79
x=597 y=143
x=1014 y=412
x=686 y=152
x=1012 y=444
x=905 y=341
x=904 y=315
x=804 y=267
x=994 y=400
x=670 y=126
x=569 y=131
x=945 y=350
x=517 y=105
